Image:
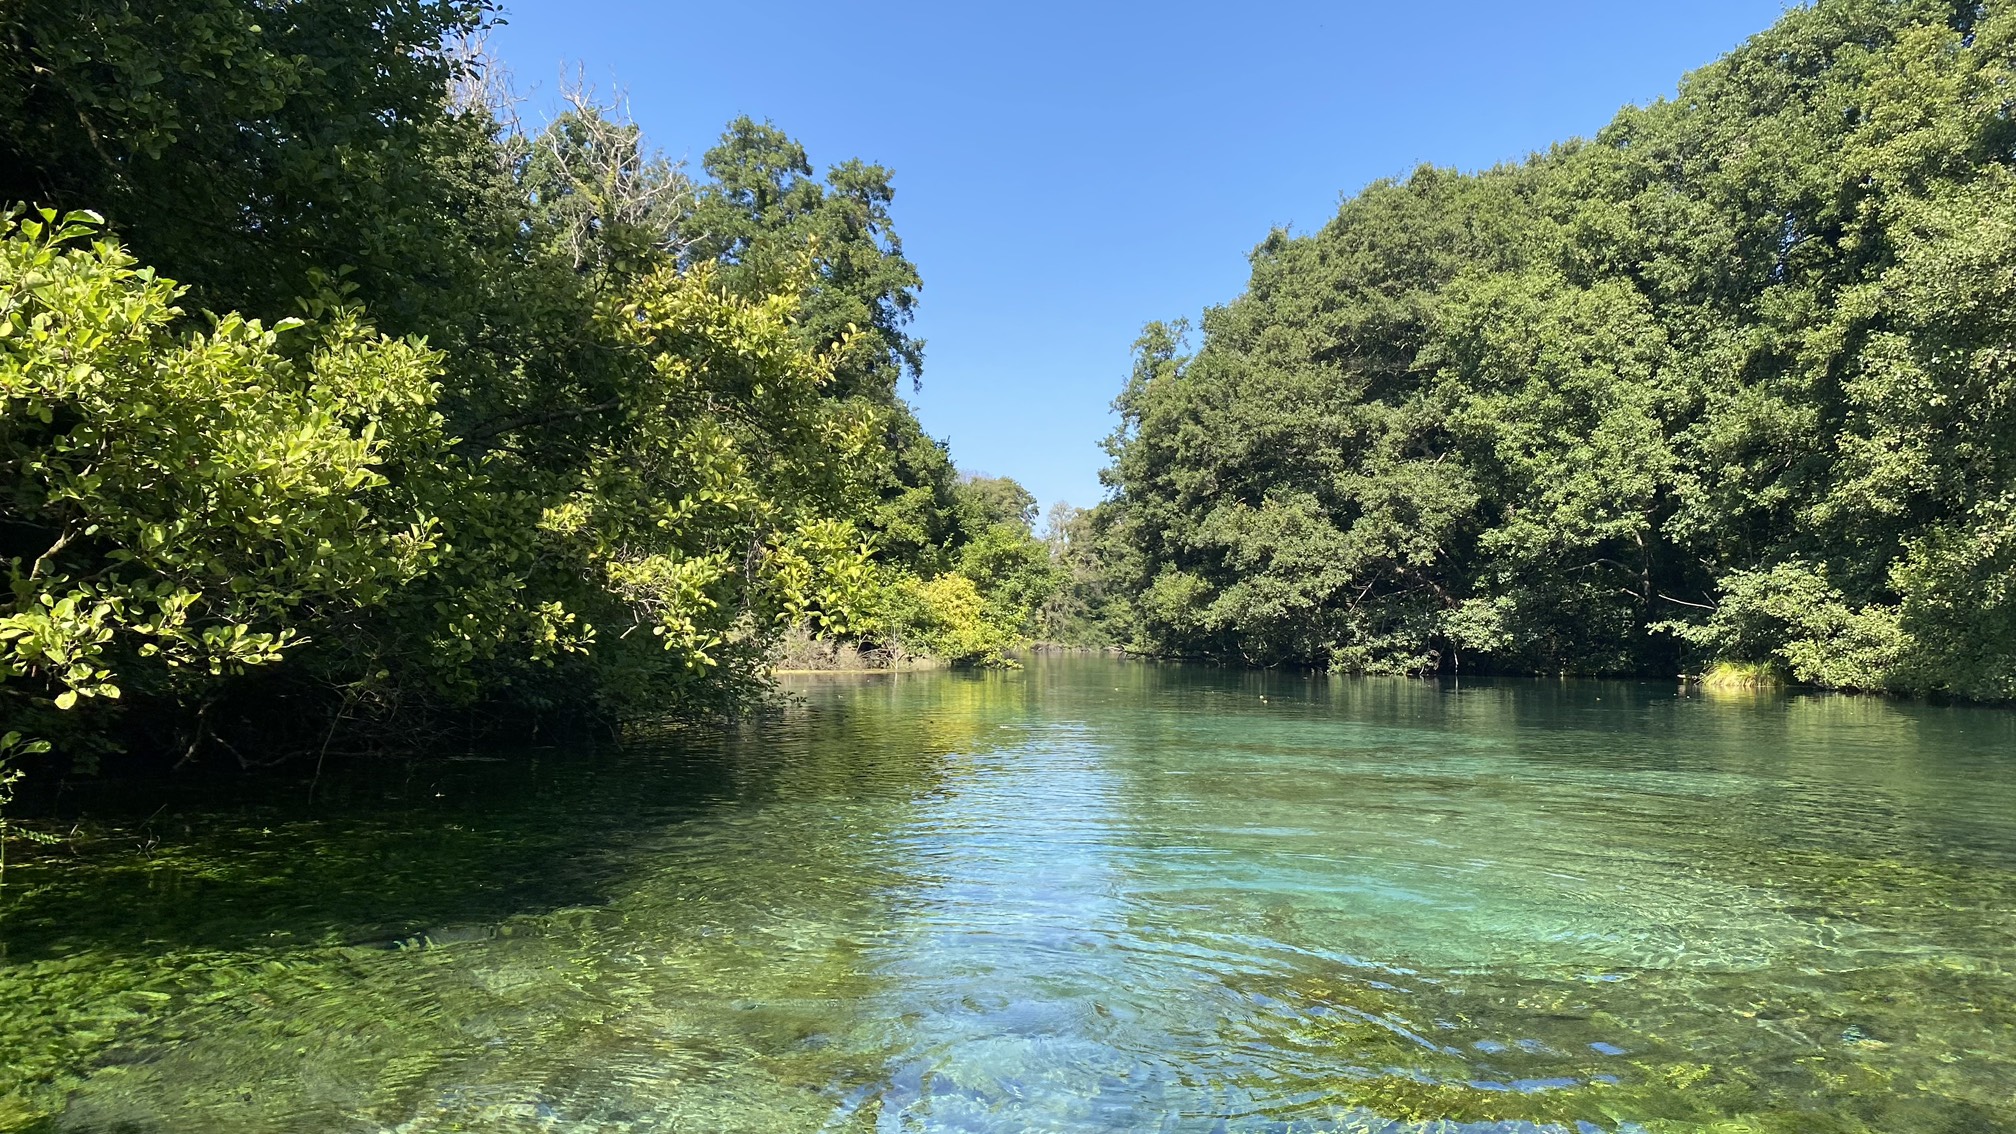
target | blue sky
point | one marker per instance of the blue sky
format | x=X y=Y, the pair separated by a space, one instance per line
x=1066 y=172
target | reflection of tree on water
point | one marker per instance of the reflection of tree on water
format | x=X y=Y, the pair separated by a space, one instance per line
x=671 y=931
x=1009 y=966
x=1752 y=909
x=1066 y=899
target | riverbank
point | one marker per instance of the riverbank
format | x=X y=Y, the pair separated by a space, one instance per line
x=800 y=653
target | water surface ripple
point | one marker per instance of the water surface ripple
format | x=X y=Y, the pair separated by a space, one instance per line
x=1089 y=896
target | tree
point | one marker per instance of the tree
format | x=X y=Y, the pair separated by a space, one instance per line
x=183 y=506
x=761 y=210
x=1727 y=382
x=248 y=149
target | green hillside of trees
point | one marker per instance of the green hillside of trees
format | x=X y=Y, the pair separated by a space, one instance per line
x=336 y=407
x=1734 y=381
x=340 y=408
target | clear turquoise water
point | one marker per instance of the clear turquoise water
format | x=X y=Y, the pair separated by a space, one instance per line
x=1089 y=896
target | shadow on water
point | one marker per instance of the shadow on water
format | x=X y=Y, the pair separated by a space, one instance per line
x=380 y=852
x=1090 y=896
x=384 y=851
x=240 y=926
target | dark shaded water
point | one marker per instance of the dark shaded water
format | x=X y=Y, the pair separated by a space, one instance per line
x=1090 y=896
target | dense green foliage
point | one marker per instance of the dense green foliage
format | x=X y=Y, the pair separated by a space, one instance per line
x=1732 y=381
x=213 y=503
x=1085 y=606
x=426 y=420
x=243 y=146
x=974 y=597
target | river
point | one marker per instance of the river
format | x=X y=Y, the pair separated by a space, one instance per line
x=1090 y=895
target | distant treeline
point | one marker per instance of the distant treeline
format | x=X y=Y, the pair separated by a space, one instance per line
x=429 y=420
x=1734 y=381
